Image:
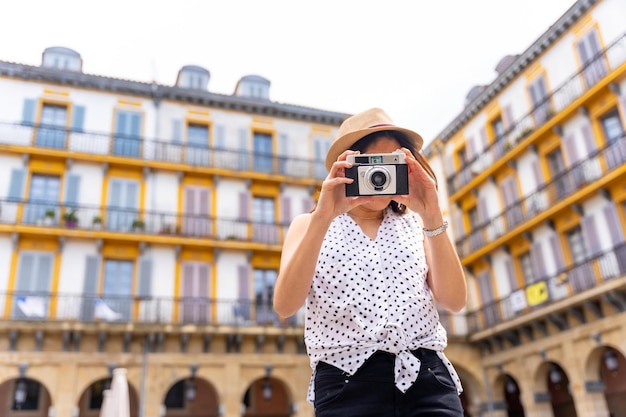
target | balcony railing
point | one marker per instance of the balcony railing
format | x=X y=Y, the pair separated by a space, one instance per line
x=125 y=220
x=106 y=144
x=547 y=290
x=574 y=87
x=33 y=306
x=565 y=184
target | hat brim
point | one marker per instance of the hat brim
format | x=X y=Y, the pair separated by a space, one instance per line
x=346 y=141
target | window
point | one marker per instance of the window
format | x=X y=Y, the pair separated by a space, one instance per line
x=127 y=134
x=32 y=287
x=118 y=286
x=576 y=245
x=123 y=202
x=264 y=282
x=612 y=126
x=262 y=152
x=197 y=152
x=614 y=136
x=320 y=148
x=264 y=218
x=498 y=129
x=591 y=58
x=540 y=100
x=195 y=292
x=51 y=134
x=556 y=166
x=43 y=200
x=526 y=266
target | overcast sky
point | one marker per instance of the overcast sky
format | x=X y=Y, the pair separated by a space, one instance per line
x=417 y=59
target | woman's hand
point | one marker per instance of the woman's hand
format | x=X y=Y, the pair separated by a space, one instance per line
x=422 y=198
x=332 y=200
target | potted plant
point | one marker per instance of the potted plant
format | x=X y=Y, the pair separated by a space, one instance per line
x=71 y=220
x=138 y=225
x=48 y=217
x=96 y=222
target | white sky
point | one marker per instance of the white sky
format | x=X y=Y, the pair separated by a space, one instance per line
x=417 y=59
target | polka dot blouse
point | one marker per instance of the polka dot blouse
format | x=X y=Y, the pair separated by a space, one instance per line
x=370 y=295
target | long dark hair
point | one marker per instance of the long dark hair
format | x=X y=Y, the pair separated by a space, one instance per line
x=366 y=141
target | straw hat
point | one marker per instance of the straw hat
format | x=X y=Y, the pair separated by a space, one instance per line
x=362 y=124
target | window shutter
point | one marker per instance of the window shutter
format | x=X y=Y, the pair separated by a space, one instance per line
x=144 y=287
x=537 y=174
x=471 y=151
x=590 y=142
x=243 y=139
x=204 y=276
x=90 y=287
x=285 y=205
x=307 y=204
x=569 y=145
x=44 y=273
x=177 y=131
x=612 y=219
x=485 y=287
x=481 y=208
x=590 y=233
x=25 y=271
x=555 y=244
x=78 y=118
x=507 y=117
x=244 y=282
x=28 y=112
x=71 y=190
x=538 y=263
x=16 y=186
x=92 y=272
x=510 y=271
x=244 y=202
x=220 y=136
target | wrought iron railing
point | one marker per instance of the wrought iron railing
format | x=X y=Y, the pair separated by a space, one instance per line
x=549 y=289
x=126 y=220
x=148 y=149
x=33 y=306
x=596 y=165
x=574 y=87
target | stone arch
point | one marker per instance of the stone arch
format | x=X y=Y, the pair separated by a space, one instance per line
x=267 y=395
x=192 y=395
x=473 y=389
x=96 y=386
x=7 y=393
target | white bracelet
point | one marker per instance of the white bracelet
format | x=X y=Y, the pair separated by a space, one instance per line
x=437 y=231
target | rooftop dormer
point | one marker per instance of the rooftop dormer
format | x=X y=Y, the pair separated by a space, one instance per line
x=253 y=86
x=194 y=77
x=62 y=58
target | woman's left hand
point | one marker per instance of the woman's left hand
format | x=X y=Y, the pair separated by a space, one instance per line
x=422 y=198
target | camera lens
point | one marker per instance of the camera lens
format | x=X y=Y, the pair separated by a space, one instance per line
x=378 y=179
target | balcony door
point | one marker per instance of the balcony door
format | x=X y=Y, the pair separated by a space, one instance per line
x=117 y=288
x=195 y=300
x=122 y=204
x=127 y=134
x=264 y=218
x=32 y=287
x=196 y=221
x=51 y=133
x=43 y=199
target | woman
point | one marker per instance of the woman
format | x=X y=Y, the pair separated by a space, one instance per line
x=370 y=269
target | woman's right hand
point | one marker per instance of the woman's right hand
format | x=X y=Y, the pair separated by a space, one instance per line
x=332 y=200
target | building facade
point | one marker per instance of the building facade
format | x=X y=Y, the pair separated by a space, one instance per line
x=535 y=183
x=141 y=227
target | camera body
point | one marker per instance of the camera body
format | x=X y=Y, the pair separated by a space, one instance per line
x=377 y=174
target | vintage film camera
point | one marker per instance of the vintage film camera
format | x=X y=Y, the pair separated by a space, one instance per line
x=377 y=174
